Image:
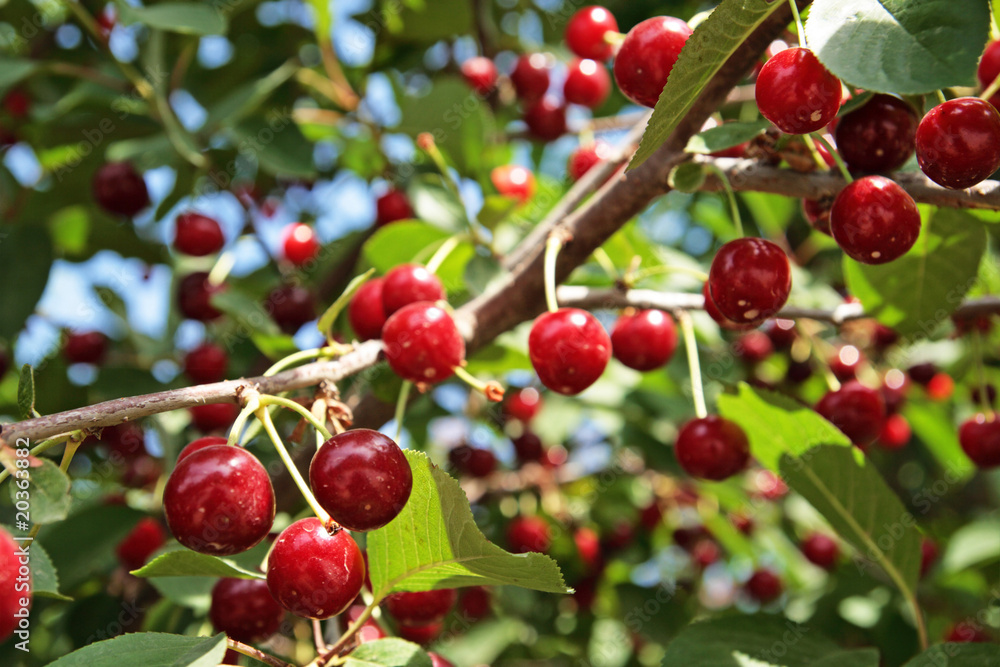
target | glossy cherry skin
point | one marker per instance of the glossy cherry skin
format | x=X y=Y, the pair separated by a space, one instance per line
x=941 y=387
x=438 y=661
x=366 y=312
x=587 y=83
x=821 y=550
x=85 y=347
x=528 y=447
x=782 y=333
x=480 y=73
x=244 y=610
x=874 y=220
x=586 y=30
x=764 y=586
x=546 y=119
x=420 y=634
x=392 y=206
x=817 y=214
x=980 y=440
x=421 y=607
x=720 y=319
x=514 y=181
x=749 y=280
x=531 y=77
x=291 y=306
x=213 y=416
x=896 y=432
x=314 y=573
x=12 y=592
x=878 y=136
x=219 y=501
x=989 y=68
x=200 y=443
x=300 y=245
x=844 y=364
x=958 y=142
x=644 y=340
x=194 y=295
x=409 y=283
x=569 y=349
x=422 y=343
x=856 y=410
x=796 y=93
x=585 y=157
x=646 y=57
x=198 y=235
x=712 y=448
x=141 y=542
x=120 y=189
x=361 y=478
x=206 y=363
x=522 y=404
x=528 y=533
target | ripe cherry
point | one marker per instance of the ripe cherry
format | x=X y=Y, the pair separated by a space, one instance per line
x=569 y=349
x=528 y=447
x=588 y=546
x=85 y=347
x=194 y=294
x=928 y=555
x=644 y=339
x=989 y=69
x=474 y=603
x=720 y=319
x=874 y=220
x=764 y=586
x=796 y=93
x=300 y=245
x=17 y=103
x=749 y=280
x=480 y=73
x=941 y=387
x=821 y=550
x=817 y=214
x=514 y=181
x=712 y=448
x=966 y=632
x=878 y=136
x=392 y=206
x=586 y=30
x=473 y=461
x=213 y=416
x=753 y=347
x=198 y=235
x=528 y=533
x=141 y=472
x=141 y=542
x=978 y=395
x=200 y=443
x=844 y=364
x=420 y=634
x=366 y=313
x=10 y=597
x=421 y=608
x=587 y=83
x=120 y=189
x=522 y=404
x=125 y=442
x=895 y=433
x=370 y=631
x=219 y=501
x=646 y=57
x=856 y=410
x=546 y=119
x=206 y=363
x=438 y=661
x=409 y=283
x=422 y=343
x=583 y=158
x=244 y=610
x=980 y=440
x=361 y=478
x=291 y=306
x=922 y=373
x=531 y=77
x=313 y=572
x=958 y=142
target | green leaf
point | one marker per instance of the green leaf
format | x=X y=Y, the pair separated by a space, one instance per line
x=777 y=425
x=189 y=18
x=973 y=545
x=436 y=204
x=400 y=242
x=277 y=144
x=451 y=112
x=496 y=209
x=897 y=46
x=862 y=657
x=323 y=19
x=434 y=543
x=725 y=136
x=149 y=649
x=26 y=392
x=483 y=272
x=187 y=563
x=915 y=293
x=44 y=580
x=25 y=260
x=13 y=70
x=932 y=423
x=706 y=50
x=48 y=493
x=428 y=21
x=246 y=310
x=325 y=323
x=850 y=493
x=686 y=177
x=86 y=545
x=391 y=652
x=958 y=655
x=70 y=229
x=246 y=99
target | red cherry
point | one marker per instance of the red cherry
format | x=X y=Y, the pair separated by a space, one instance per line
x=370 y=631
x=587 y=83
x=514 y=181
x=361 y=478
x=878 y=136
x=989 y=69
x=893 y=392
x=958 y=142
x=125 y=442
x=141 y=472
x=420 y=634
x=313 y=572
x=300 y=245
x=569 y=349
x=473 y=461
x=421 y=608
x=895 y=433
x=720 y=319
x=529 y=447
x=206 y=363
x=85 y=347
x=874 y=220
x=194 y=294
x=409 y=283
x=796 y=93
x=749 y=280
x=474 y=603
x=651 y=516
x=546 y=119
x=529 y=533
x=586 y=30
x=213 y=416
x=17 y=103
x=817 y=214
x=244 y=610
x=588 y=545
x=480 y=73
x=366 y=312
x=753 y=347
x=883 y=337
x=531 y=77
x=941 y=387
x=291 y=306
x=200 y=443
x=856 y=410
x=644 y=340
x=781 y=332
x=980 y=440
x=922 y=373
x=12 y=600
x=106 y=20
x=844 y=364
x=141 y=543
x=219 y=501
x=392 y=206
x=198 y=235
x=712 y=448
x=422 y=343
x=928 y=555
x=438 y=661
x=646 y=57
x=120 y=189
x=586 y=157
x=821 y=550
x=764 y=586
x=967 y=632
x=522 y=404
x=979 y=395
x=705 y=552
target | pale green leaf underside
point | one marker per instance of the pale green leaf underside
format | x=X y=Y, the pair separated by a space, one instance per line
x=149 y=649
x=186 y=563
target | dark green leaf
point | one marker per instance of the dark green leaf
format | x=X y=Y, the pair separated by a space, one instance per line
x=277 y=144
x=246 y=310
x=428 y=21
x=187 y=563
x=246 y=99
x=48 y=492
x=25 y=260
x=686 y=177
x=973 y=545
x=392 y=652
x=725 y=136
x=13 y=70
x=400 y=242
x=44 y=580
x=451 y=112
x=86 y=544
x=933 y=424
x=189 y=18
x=26 y=392
x=149 y=649
x=436 y=204
x=958 y=655
x=482 y=272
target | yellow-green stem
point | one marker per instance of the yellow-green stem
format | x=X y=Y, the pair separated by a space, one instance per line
x=697 y=389
x=992 y=89
x=302 y=355
x=552 y=247
x=734 y=207
x=835 y=155
x=241 y=420
x=404 y=396
x=223 y=265
x=267 y=399
x=40 y=448
x=279 y=446
x=441 y=254
x=799 y=29
x=977 y=353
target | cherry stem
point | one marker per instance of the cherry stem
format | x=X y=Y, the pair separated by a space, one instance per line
x=734 y=206
x=223 y=265
x=268 y=399
x=614 y=38
x=491 y=390
x=601 y=257
x=39 y=448
x=553 y=244
x=941 y=96
x=425 y=140
x=992 y=89
x=256 y=654
x=799 y=28
x=293 y=470
x=835 y=155
x=401 y=401
x=441 y=254
x=815 y=152
x=977 y=353
x=694 y=366
x=318 y=639
x=352 y=630
x=305 y=355
x=241 y=419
